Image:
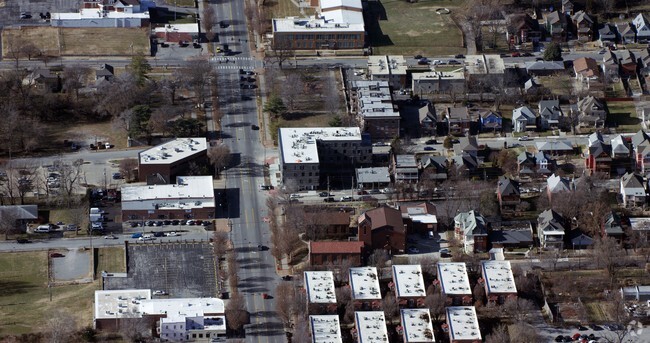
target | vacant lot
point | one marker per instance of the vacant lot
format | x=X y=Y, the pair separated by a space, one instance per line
x=110 y=260
x=24 y=298
x=413 y=28
x=622 y=115
x=54 y=41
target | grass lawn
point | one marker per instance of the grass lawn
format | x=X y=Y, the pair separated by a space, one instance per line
x=24 y=297
x=285 y=8
x=623 y=116
x=181 y=3
x=81 y=41
x=414 y=28
x=110 y=259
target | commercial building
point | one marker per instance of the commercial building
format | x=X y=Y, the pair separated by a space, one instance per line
x=454 y=283
x=409 y=285
x=164 y=162
x=416 y=326
x=192 y=197
x=325 y=329
x=463 y=324
x=173 y=320
x=499 y=281
x=372 y=103
x=308 y=156
x=364 y=285
x=339 y=25
x=106 y=13
x=175 y=33
x=370 y=327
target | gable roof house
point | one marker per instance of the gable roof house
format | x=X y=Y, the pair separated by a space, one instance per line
x=642 y=27
x=508 y=193
x=383 y=228
x=607 y=35
x=567 y=7
x=633 y=190
x=599 y=153
x=489 y=121
x=544 y=68
x=434 y=168
x=610 y=65
x=105 y=73
x=584 y=26
x=643 y=58
x=612 y=226
x=459 y=120
x=641 y=148
x=556 y=147
x=471 y=230
x=465 y=164
x=522 y=28
x=556 y=184
x=43 y=79
x=586 y=69
x=626 y=32
x=466 y=145
x=556 y=25
x=427 y=119
x=627 y=63
x=550 y=114
x=551 y=229
x=524 y=119
x=534 y=164
x=591 y=112
x=21 y=215
x=620 y=147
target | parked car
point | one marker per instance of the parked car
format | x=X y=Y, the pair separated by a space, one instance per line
x=136 y=235
x=413 y=250
x=287 y=278
x=117 y=176
x=159 y=234
x=459 y=56
x=173 y=234
x=145 y=238
x=329 y=199
x=110 y=237
x=346 y=198
x=429 y=148
x=23 y=241
x=158 y=292
x=323 y=194
x=430 y=141
x=254 y=127
x=524 y=139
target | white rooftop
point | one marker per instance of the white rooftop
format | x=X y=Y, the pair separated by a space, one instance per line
x=419 y=215
x=453 y=278
x=189 y=192
x=417 y=326
x=179 y=309
x=190 y=27
x=364 y=283
x=498 y=277
x=325 y=4
x=120 y=303
x=298 y=145
x=408 y=281
x=484 y=64
x=320 y=287
x=386 y=65
x=330 y=21
x=325 y=329
x=373 y=175
x=173 y=151
x=640 y=224
x=439 y=75
x=371 y=327
x=95 y=14
x=463 y=323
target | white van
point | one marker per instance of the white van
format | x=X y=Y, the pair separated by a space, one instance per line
x=95 y=210
x=42 y=228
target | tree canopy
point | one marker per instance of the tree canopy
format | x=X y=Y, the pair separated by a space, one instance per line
x=275 y=105
x=553 y=52
x=140 y=67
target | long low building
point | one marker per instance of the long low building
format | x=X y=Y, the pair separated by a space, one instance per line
x=192 y=197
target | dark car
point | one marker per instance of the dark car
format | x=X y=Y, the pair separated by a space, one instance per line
x=323 y=194
x=418 y=57
x=429 y=148
x=261 y=247
x=430 y=141
x=23 y=241
x=150 y=223
x=175 y=222
x=56 y=254
x=159 y=234
x=559 y=338
x=527 y=54
x=133 y=224
x=595 y=327
x=329 y=199
x=223 y=24
x=250 y=73
x=460 y=56
x=167 y=222
x=183 y=222
x=287 y=278
x=453 y=62
x=254 y=127
x=241 y=71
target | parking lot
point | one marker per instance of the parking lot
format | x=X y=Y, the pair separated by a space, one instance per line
x=10 y=10
x=182 y=270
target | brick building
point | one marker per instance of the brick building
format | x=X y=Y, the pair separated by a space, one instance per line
x=335 y=252
x=164 y=162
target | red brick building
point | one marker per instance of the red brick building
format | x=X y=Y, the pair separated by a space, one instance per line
x=163 y=163
x=383 y=228
x=335 y=252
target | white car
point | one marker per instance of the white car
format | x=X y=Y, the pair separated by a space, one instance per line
x=294 y=196
x=146 y=238
x=173 y=234
x=524 y=138
x=159 y=293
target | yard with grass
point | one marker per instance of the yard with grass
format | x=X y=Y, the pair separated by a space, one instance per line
x=622 y=116
x=110 y=260
x=414 y=28
x=54 y=41
x=24 y=298
x=285 y=8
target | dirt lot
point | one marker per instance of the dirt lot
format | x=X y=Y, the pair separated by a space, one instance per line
x=79 y=41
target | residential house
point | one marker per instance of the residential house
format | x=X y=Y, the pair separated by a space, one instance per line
x=641 y=227
x=335 y=253
x=465 y=164
x=19 y=215
x=471 y=230
x=404 y=168
x=365 y=289
x=373 y=177
x=620 y=147
x=391 y=69
x=626 y=32
x=327 y=223
x=551 y=228
x=612 y=226
x=550 y=114
x=544 y=68
x=641 y=149
x=599 y=156
x=325 y=329
x=633 y=190
x=416 y=326
x=643 y=58
x=434 y=82
x=556 y=25
x=372 y=103
x=556 y=184
x=586 y=69
x=627 y=63
x=321 y=294
x=466 y=145
x=499 y=281
x=610 y=65
x=508 y=193
x=427 y=119
x=104 y=73
x=463 y=324
x=584 y=26
x=454 y=283
x=607 y=35
x=511 y=238
x=458 y=120
x=43 y=79
x=419 y=217
x=534 y=164
x=591 y=112
x=434 y=168
x=522 y=29
x=408 y=285
x=578 y=239
x=642 y=28
x=531 y=87
x=489 y=121
x=557 y=147
x=567 y=7
x=524 y=119
x=383 y=228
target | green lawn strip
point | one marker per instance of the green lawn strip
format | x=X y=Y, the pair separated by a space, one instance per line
x=109 y=259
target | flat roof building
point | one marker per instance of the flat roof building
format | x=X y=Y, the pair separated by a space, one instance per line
x=499 y=281
x=309 y=155
x=391 y=69
x=372 y=102
x=409 y=284
x=320 y=287
x=192 y=197
x=416 y=325
x=164 y=162
x=373 y=178
x=325 y=329
x=463 y=324
x=454 y=282
x=370 y=327
x=364 y=283
x=438 y=82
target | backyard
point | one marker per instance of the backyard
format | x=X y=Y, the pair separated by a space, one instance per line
x=413 y=28
x=622 y=116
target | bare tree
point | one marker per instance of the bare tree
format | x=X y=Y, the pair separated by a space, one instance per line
x=378 y=258
x=498 y=335
x=618 y=315
x=172 y=84
x=128 y=167
x=8 y=222
x=70 y=176
x=301 y=331
x=75 y=78
x=519 y=309
x=609 y=255
x=60 y=327
x=233 y=267
x=293 y=90
x=133 y=327
x=281 y=52
x=209 y=19
x=219 y=156
x=390 y=306
x=285 y=294
x=236 y=314
x=220 y=242
x=523 y=332
x=435 y=302
x=196 y=76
